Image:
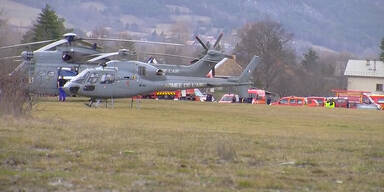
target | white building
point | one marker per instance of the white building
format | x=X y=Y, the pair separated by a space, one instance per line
x=365 y=75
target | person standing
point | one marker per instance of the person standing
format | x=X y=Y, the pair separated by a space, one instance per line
x=60 y=84
x=269 y=99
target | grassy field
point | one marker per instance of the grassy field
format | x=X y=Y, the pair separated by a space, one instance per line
x=191 y=146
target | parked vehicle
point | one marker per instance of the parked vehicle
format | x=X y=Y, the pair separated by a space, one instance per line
x=229 y=98
x=257 y=96
x=343 y=102
x=349 y=98
x=316 y=101
x=291 y=101
x=186 y=94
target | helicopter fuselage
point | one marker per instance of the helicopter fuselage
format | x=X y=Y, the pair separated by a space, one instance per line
x=133 y=78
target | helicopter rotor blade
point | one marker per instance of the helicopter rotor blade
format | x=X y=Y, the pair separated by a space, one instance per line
x=50 y=46
x=102 y=56
x=134 y=41
x=11 y=57
x=26 y=44
x=180 y=56
x=86 y=43
x=105 y=55
x=18 y=68
x=201 y=42
x=218 y=40
x=169 y=55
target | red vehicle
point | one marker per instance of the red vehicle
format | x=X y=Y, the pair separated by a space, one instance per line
x=348 y=98
x=343 y=102
x=316 y=101
x=257 y=95
x=291 y=101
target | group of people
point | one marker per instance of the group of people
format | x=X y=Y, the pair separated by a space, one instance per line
x=330 y=103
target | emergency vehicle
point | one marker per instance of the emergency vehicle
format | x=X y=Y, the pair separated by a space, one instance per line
x=314 y=101
x=348 y=98
x=291 y=101
x=257 y=96
x=186 y=94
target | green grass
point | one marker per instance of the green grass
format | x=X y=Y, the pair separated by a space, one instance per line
x=191 y=146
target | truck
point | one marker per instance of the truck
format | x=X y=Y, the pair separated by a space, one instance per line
x=186 y=94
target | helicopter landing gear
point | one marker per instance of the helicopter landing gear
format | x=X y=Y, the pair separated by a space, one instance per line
x=93 y=102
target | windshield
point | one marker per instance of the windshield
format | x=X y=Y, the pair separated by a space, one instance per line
x=93 y=78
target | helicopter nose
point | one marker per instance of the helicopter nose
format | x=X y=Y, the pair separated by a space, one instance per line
x=71 y=89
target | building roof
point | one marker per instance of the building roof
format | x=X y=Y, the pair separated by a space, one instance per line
x=365 y=68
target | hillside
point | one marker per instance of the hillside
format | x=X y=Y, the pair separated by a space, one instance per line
x=344 y=25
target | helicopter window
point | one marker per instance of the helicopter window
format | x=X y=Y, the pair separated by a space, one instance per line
x=51 y=73
x=141 y=71
x=107 y=78
x=93 y=78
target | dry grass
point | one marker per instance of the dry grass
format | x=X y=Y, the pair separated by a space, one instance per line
x=185 y=146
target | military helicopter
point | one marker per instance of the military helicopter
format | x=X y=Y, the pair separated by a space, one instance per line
x=71 y=55
x=121 y=79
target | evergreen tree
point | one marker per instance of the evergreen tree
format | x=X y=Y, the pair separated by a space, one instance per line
x=382 y=50
x=48 y=26
x=310 y=60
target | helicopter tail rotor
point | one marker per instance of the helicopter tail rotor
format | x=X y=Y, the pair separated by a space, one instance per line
x=201 y=42
x=207 y=47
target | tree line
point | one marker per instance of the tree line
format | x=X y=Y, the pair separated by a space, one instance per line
x=284 y=72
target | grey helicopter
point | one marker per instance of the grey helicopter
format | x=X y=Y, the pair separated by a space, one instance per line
x=124 y=79
x=198 y=67
x=71 y=55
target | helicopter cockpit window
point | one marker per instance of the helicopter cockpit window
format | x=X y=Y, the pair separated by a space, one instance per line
x=93 y=78
x=107 y=78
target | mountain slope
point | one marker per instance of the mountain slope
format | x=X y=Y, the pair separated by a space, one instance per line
x=344 y=25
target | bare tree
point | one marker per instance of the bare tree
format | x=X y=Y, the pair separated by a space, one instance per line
x=268 y=40
x=14 y=98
